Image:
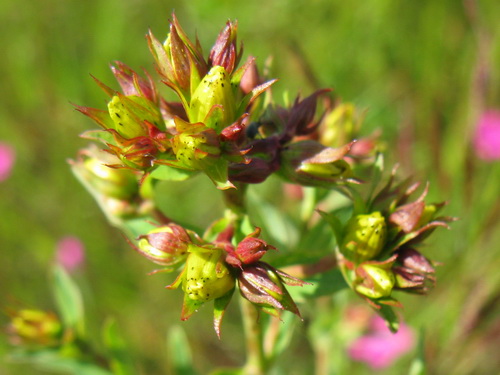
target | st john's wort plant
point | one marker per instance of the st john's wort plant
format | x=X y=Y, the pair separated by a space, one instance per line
x=227 y=126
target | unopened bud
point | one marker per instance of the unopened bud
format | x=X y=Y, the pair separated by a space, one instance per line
x=250 y=249
x=374 y=281
x=118 y=183
x=35 y=327
x=365 y=236
x=214 y=90
x=166 y=245
x=309 y=163
x=206 y=275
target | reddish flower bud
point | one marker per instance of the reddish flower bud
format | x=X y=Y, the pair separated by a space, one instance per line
x=225 y=51
x=165 y=245
x=249 y=250
x=414 y=272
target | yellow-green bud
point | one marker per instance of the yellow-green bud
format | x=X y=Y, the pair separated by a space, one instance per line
x=35 y=327
x=125 y=122
x=336 y=169
x=214 y=89
x=110 y=182
x=129 y=113
x=206 y=276
x=196 y=150
x=365 y=236
x=374 y=281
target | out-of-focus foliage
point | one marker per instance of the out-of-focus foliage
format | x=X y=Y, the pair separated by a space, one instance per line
x=425 y=71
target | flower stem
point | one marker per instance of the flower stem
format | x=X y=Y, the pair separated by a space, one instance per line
x=256 y=361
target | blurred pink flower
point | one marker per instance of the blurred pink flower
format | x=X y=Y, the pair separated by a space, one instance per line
x=70 y=253
x=487 y=136
x=7 y=156
x=380 y=347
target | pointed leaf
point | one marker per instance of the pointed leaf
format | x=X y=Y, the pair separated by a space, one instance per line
x=120 y=360
x=69 y=300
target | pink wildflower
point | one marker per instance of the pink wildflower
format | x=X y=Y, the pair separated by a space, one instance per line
x=70 y=253
x=487 y=136
x=7 y=156
x=380 y=348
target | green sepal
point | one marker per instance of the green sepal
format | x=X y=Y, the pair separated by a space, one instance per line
x=103 y=136
x=189 y=307
x=220 y=305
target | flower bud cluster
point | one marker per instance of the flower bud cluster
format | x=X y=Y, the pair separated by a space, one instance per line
x=210 y=130
x=377 y=250
x=212 y=270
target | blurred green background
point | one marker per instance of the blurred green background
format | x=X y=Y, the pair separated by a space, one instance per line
x=424 y=70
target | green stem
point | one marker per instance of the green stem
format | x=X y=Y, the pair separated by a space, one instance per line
x=256 y=361
x=235 y=199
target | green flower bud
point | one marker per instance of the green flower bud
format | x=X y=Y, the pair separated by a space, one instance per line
x=365 y=236
x=35 y=327
x=214 y=90
x=197 y=149
x=110 y=182
x=309 y=163
x=374 y=281
x=206 y=275
x=129 y=113
x=336 y=169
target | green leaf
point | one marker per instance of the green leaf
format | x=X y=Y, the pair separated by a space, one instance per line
x=134 y=228
x=69 y=300
x=52 y=360
x=335 y=224
x=120 y=361
x=418 y=365
x=180 y=352
x=167 y=173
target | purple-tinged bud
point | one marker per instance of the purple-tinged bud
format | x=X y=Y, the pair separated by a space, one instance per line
x=264 y=286
x=165 y=245
x=251 y=78
x=225 y=50
x=300 y=120
x=35 y=328
x=414 y=272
